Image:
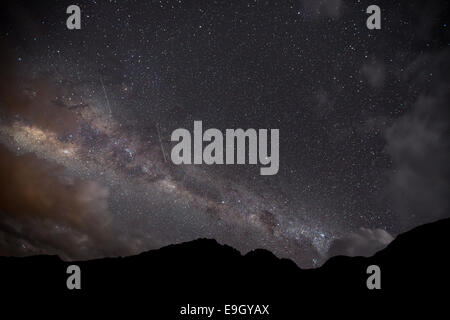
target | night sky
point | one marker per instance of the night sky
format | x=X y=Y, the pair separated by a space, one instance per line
x=362 y=114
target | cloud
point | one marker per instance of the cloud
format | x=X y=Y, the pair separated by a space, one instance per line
x=418 y=144
x=329 y=8
x=36 y=101
x=426 y=17
x=365 y=242
x=44 y=210
x=374 y=73
x=325 y=103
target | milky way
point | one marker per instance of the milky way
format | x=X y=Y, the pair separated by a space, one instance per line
x=86 y=117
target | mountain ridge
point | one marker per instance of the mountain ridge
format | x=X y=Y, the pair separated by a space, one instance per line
x=413 y=266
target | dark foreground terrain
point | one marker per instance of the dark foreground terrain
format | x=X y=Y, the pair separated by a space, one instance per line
x=158 y=284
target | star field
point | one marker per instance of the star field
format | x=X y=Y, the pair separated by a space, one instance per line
x=361 y=113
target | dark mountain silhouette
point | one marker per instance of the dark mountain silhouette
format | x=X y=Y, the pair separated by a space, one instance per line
x=414 y=268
